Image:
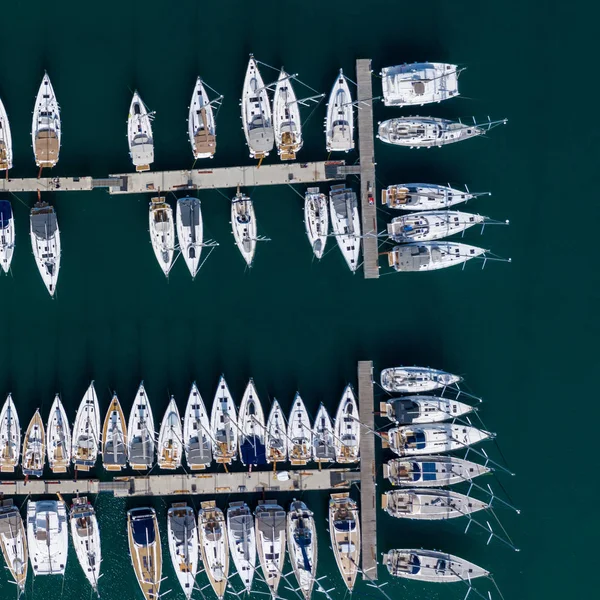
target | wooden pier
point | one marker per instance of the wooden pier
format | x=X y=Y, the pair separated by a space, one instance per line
x=368 y=471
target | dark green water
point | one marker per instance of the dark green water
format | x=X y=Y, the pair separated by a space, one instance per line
x=524 y=335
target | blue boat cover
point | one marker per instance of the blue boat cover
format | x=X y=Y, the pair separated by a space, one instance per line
x=143 y=526
x=420 y=439
x=5 y=213
x=253 y=451
x=429 y=473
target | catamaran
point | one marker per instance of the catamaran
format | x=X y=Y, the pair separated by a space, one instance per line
x=190 y=232
x=432 y=471
x=431 y=566
x=316 y=220
x=114 y=437
x=223 y=425
x=286 y=118
x=302 y=546
x=86 y=431
x=10 y=436
x=344 y=529
x=243 y=223
x=47 y=536
x=45 y=243
x=422 y=409
x=299 y=433
x=212 y=533
x=170 y=439
x=197 y=434
x=86 y=539
x=183 y=545
x=242 y=541
x=141 y=434
x=324 y=447
x=251 y=428
x=414 y=440
x=6 y=149
x=423 y=196
x=201 y=123
x=162 y=232
x=145 y=550
x=45 y=127
x=58 y=438
x=276 y=439
x=13 y=543
x=270 y=541
x=429 y=504
x=257 y=119
x=339 y=123
x=431 y=256
x=347 y=429
x=34 y=451
x=139 y=134
x=419 y=83
x=406 y=380
x=7 y=235
x=345 y=221
x=429 y=226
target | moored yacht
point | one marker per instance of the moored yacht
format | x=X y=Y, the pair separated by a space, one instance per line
x=243 y=223
x=406 y=380
x=114 y=437
x=302 y=546
x=422 y=409
x=276 y=439
x=170 y=439
x=270 y=541
x=86 y=431
x=139 y=134
x=58 y=438
x=140 y=430
x=10 y=436
x=345 y=223
x=223 y=425
x=323 y=446
x=45 y=127
x=251 y=428
x=299 y=433
x=13 y=543
x=34 y=451
x=190 y=232
x=86 y=539
x=212 y=534
x=45 y=243
x=162 y=232
x=201 y=123
x=47 y=536
x=344 y=530
x=431 y=471
x=423 y=196
x=183 y=545
x=7 y=235
x=428 y=226
x=316 y=220
x=431 y=256
x=339 y=123
x=347 y=429
x=197 y=434
x=286 y=118
x=242 y=541
x=6 y=149
x=145 y=550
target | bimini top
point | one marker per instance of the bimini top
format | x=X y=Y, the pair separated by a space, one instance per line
x=43 y=223
x=5 y=213
x=142 y=523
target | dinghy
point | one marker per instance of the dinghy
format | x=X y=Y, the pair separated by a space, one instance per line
x=428 y=226
x=316 y=220
x=251 y=428
x=86 y=539
x=190 y=232
x=47 y=536
x=302 y=546
x=58 y=438
x=183 y=545
x=270 y=542
x=45 y=127
x=223 y=425
x=299 y=433
x=141 y=432
x=407 y=380
x=13 y=543
x=10 y=436
x=212 y=533
x=431 y=256
x=345 y=222
x=145 y=550
x=7 y=235
x=201 y=123
x=344 y=530
x=276 y=439
x=339 y=123
x=423 y=196
x=6 y=149
x=286 y=118
x=324 y=447
x=162 y=232
x=139 y=134
x=170 y=439
x=242 y=541
x=347 y=429
x=422 y=409
x=243 y=223
x=34 y=451
x=45 y=243
x=197 y=434
x=86 y=431
x=432 y=471
x=114 y=437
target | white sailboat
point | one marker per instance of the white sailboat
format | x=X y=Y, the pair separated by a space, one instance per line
x=242 y=541
x=162 y=232
x=339 y=123
x=34 y=450
x=183 y=545
x=86 y=431
x=190 y=232
x=270 y=528
x=323 y=448
x=86 y=539
x=347 y=429
x=423 y=196
x=302 y=546
x=114 y=437
x=140 y=429
x=47 y=536
x=45 y=243
x=201 y=123
x=10 y=436
x=58 y=438
x=45 y=126
x=223 y=425
x=13 y=543
x=286 y=118
x=257 y=119
x=422 y=409
x=170 y=439
x=299 y=433
x=431 y=256
x=251 y=428
x=345 y=222
x=276 y=439
x=429 y=226
x=145 y=550
x=316 y=220
x=344 y=530
x=212 y=534
x=139 y=134
x=243 y=223
x=6 y=149
x=197 y=434
x=406 y=380
x=7 y=235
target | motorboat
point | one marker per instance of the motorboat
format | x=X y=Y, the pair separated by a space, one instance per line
x=432 y=471
x=419 y=83
x=344 y=529
x=145 y=550
x=183 y=545
x=299 y=433
x=424 y=196
x=34 y=448
x=162 y=232
x=212 y=533
x=58 y=438
x=114 y=437
x=429 y=504
x=429 y=226
x=13 y=543
x=140 y=429
x=45 y=126
x=201 y=123
x=286 y=118
x=257 y=119
x=45 y=243
x=339 y=123
x=345 y=222
x=47 y=536
x=223 y=425
x=422 y=409
x=276 y=439
x=431 y=256
x=243 y=223
x=139 y=134
x=86 y=539
x=302 y=546
x=347 y=429
x=323 y=447
x=407 y=380
x=316 y=220
x=6 y=149
x=86 y=431
x=270 y=526
x=190 y=232
x=242 y=541
x=170 y=439
x=10 y=436
x=251 y=428
x=7 y=235
x=197 y=434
